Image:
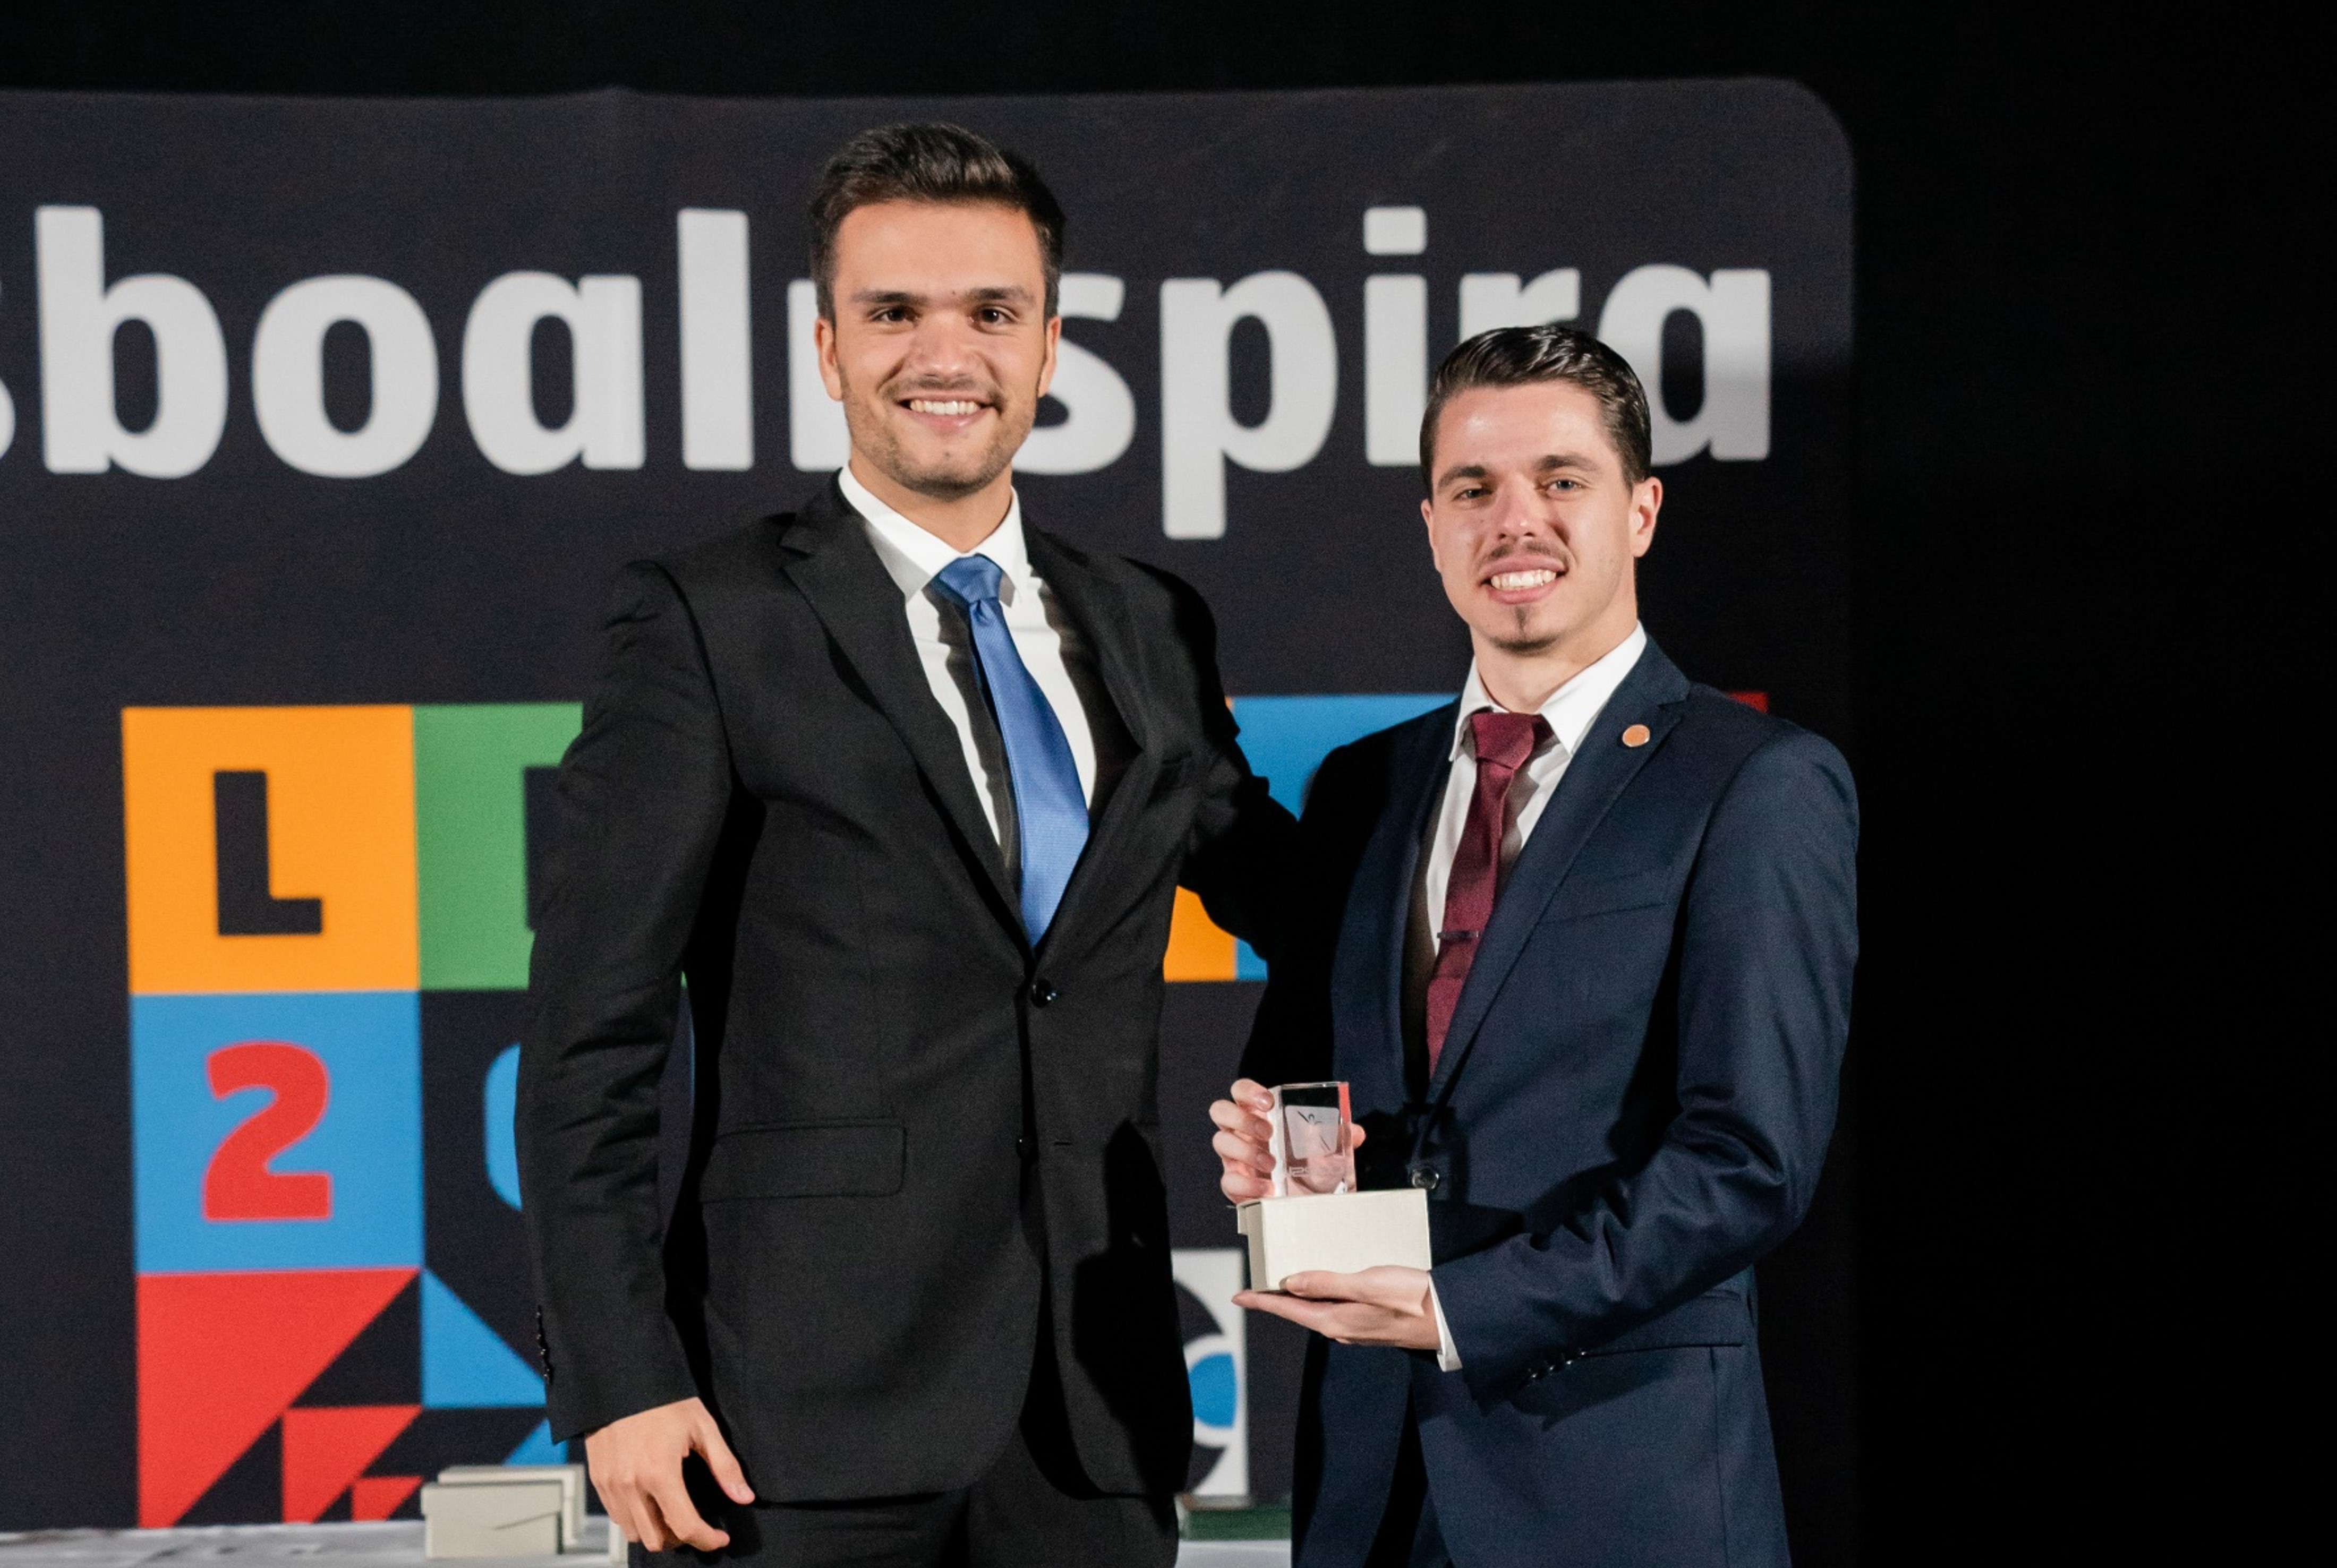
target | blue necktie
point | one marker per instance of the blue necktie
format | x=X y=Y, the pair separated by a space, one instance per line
x=1050 y=811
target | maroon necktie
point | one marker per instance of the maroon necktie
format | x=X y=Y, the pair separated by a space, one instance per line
x=1504 y=742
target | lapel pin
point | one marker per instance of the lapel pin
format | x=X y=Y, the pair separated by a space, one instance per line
x=1636 y=736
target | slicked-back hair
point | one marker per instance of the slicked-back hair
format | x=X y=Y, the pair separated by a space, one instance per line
x=935 y=163
x=1523 y=355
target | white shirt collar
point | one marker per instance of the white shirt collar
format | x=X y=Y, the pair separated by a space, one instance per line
x=914 y=557
x=1573 y=707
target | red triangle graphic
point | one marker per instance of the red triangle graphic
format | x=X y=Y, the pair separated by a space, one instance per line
x=327 y=1448
x=377 y=1497
x=220 y=1356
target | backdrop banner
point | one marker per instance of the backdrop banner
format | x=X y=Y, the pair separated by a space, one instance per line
x=324 y=425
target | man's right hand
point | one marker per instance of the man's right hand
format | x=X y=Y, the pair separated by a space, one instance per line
x=636 y=1465
x=1243 y=1141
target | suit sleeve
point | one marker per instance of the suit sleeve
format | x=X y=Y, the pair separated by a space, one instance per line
x=643 y=795
x=1767 y=940
x=1239 y=859
x=1291 y=1038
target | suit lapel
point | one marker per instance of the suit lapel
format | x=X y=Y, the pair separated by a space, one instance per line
x=1652 y=695
x=1095 y=606
x=830 y=559
x=1378 y=908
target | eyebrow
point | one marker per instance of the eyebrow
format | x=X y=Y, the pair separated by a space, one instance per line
x=993 y=294
x=1555 y=459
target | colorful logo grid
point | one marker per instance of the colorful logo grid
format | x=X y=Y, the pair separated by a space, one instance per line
x=329 y=932
x=329 y=944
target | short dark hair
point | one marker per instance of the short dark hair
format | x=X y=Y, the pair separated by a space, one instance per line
x=1522 y=355
x=932 y=162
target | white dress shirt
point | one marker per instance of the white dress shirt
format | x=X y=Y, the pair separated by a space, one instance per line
x=1044 y=637
x=1570 y=711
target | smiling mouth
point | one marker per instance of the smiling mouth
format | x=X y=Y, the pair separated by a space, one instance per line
x=1515 y=581
x=945 y=407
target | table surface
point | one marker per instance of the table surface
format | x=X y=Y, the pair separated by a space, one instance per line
x=397 y=1544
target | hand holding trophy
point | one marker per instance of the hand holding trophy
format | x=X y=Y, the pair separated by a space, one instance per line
x=1348 y=1264
x=1273 y=1142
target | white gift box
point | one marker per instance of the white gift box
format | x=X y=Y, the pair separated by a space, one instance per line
x=1338 y=1232
x=492 y=1518
x=571 y=1490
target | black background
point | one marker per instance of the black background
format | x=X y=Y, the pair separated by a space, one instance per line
x=2081 y=553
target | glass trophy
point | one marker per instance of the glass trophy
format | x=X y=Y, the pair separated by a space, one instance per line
x=1314 y=1152
x=1337 y=1229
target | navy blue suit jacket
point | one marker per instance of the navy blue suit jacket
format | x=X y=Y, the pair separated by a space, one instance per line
x=1630 y=1108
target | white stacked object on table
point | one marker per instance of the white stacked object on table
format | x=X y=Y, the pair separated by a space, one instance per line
x=503 y=1511
x=571 y=1490
x=513 y=1519
x=1342 y=1233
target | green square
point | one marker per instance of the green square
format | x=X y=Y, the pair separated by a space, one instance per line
x=470 y=812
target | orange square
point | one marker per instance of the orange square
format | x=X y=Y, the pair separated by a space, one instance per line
x=270 y=849
x=1198 y=949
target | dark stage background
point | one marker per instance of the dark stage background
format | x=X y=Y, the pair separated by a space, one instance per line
x=2082 y=396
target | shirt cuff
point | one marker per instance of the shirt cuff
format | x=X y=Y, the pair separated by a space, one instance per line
x=1448 y=1357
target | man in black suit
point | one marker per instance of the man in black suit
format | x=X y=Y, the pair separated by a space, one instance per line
x=1609 y=1056
x=905 y=789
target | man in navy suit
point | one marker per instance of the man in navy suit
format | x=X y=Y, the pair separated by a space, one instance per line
x=1582 y=943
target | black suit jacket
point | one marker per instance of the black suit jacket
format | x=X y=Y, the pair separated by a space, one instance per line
x=767 y=799
x=1631 y=1108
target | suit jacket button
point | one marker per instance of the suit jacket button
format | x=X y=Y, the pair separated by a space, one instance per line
x=1426 y=1177
x=1042 y=994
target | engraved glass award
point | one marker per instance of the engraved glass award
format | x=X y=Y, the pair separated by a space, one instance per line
x=1312 y=1151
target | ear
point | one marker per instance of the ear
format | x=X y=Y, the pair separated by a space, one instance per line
x=1054 y=343
x=1428 y=521
x=831 y=375
x=1647 y=501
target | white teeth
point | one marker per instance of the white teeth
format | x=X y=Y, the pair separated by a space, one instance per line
x=1508 y=580
x=932 y=406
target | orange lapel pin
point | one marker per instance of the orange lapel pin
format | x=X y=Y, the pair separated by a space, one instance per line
x=1636 y=736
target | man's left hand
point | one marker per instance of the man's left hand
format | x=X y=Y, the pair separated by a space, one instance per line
x=1383 y=1306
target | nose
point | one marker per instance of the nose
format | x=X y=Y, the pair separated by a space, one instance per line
x=942 y=349
x=1518 y=515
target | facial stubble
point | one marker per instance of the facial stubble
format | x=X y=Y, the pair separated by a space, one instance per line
x=887 y=451
x=1525 y=644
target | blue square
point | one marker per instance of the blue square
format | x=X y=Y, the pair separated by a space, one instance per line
x=295 y=1119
